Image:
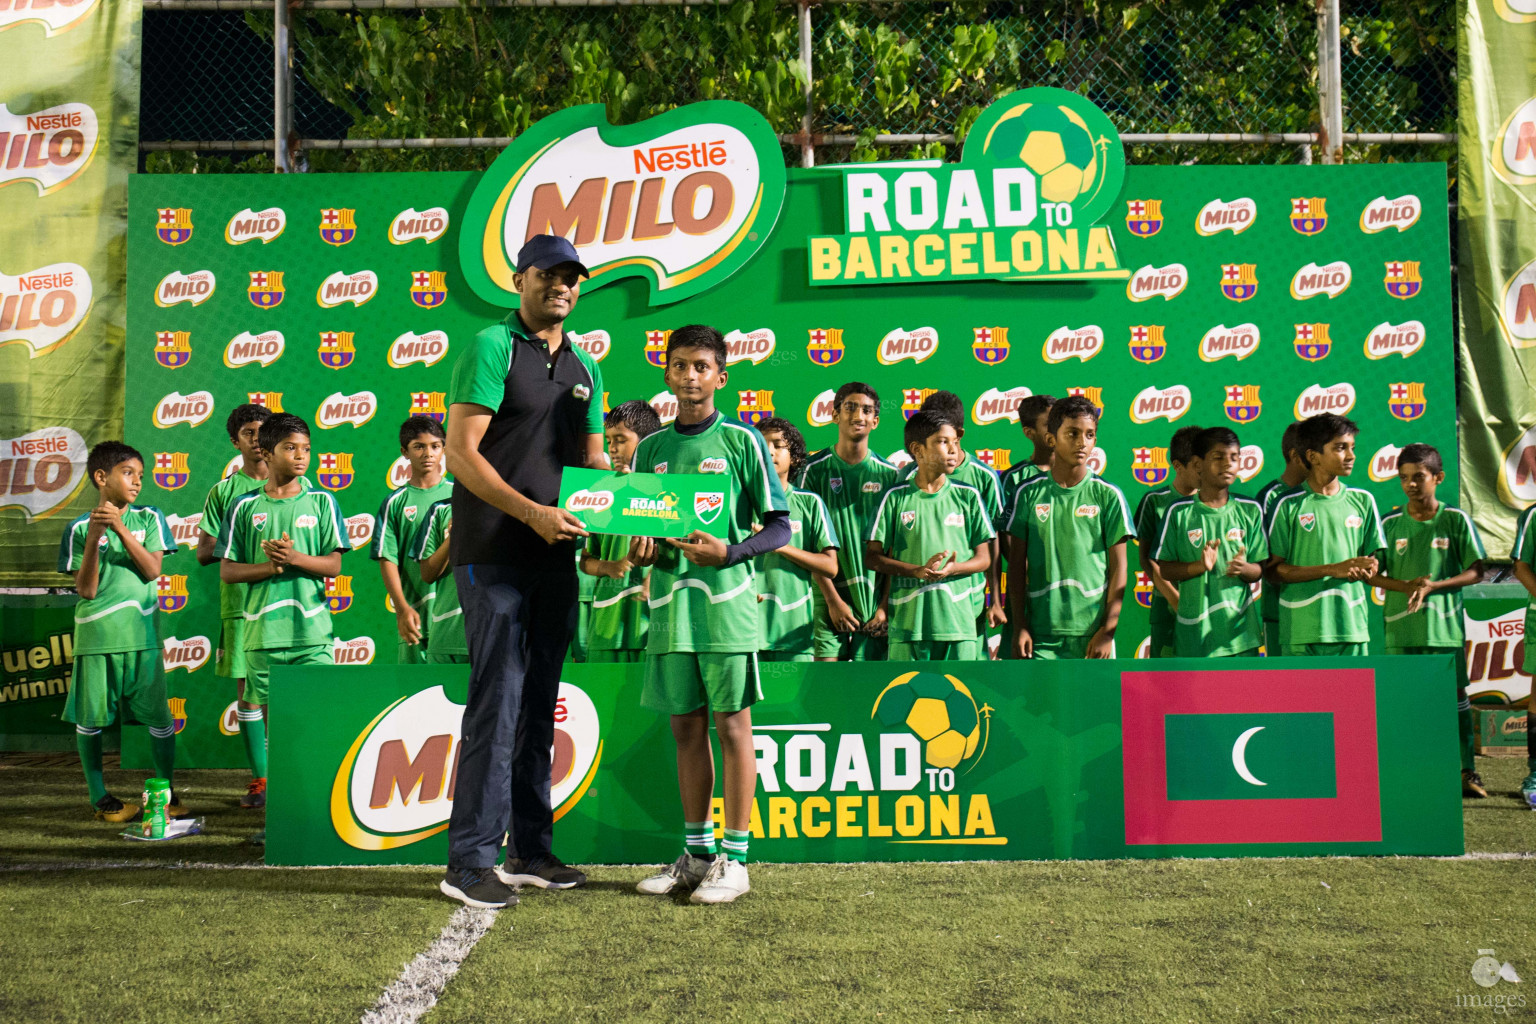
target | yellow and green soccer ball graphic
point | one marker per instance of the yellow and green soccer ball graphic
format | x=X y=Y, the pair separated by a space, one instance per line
x=939 y=710
x=1053 y=141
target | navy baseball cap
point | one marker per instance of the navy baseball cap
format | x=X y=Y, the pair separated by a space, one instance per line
x=545 y=251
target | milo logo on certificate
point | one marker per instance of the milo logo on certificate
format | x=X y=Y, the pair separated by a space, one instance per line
x=642 y=504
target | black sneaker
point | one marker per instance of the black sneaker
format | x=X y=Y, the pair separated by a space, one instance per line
x=110 y=808
x=477 y=887
x=546 y=872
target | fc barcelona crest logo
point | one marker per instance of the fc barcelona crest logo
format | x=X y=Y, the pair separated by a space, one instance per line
x=656 y=347
x=174 y=226
x=996 y=459
x=1094 y=395
x=335 y=470
x=337 y=227
x=991 y=345
x=173 y=349
x=1402 y=279
x=171 y=470
x=1242 y=403
x=1239 y=281
x=272 y=401
x=178 y=708
x=1406 y=401
x=1150 y=465
x=336 y=349
x=429 y=288
x=754 y=406
x=338 y=593
x=1308 y=216
x=1312 y=342
x=825 y=346
x=429 y=404
x=912 y=400
x=1147 y=344
x=266 y=289
x=1144 y=217
x=707 y=505
x=1143 y=589
x=172 y=593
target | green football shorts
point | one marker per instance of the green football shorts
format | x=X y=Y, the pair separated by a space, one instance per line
x=1062 y=648
x=410 y=654
x=682 y=682
x=231 y=663
x=1162 y=645
x=258 y=678
x=625 y=656
x=1272 y=646
x=1326 y=650
x=938 y=650
x=103 y=681
x=785 y=656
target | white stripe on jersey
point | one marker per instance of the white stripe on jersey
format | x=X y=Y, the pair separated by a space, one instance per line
x=1075 y=584
x=1330 y=592
x=283 y=604
x=616 y=598
x=880 y=509
x=776 y=599
x=745 y=585
x=119 y=607
x=909 y=595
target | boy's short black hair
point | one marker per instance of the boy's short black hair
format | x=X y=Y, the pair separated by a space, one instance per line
x=1420 y=454
x=279 y=426
x=1031 y=408
x=240 y=415
x=948 y=405
x=797 y=449
x=1214 y=437
x=634 y=415
x=855 y=387
x=1290 y=441
x=1181 y=447
x=923 y=425
x=699 y=336
x=107 y=456
x=415 y=426
x=1316 y=431
x=1070 y=408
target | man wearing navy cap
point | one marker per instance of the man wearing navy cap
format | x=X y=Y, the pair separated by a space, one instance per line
x=525 y=402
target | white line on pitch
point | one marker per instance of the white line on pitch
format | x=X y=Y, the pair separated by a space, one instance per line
x=415 y=992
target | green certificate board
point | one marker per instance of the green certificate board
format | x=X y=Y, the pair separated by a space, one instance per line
x=645 y=504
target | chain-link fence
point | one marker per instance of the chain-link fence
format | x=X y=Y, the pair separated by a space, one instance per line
x=426 y=84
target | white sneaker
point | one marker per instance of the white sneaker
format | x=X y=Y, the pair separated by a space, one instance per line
x=725 y=880
x=684 y=873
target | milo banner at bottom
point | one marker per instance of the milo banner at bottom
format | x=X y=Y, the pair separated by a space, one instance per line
x=953 y=761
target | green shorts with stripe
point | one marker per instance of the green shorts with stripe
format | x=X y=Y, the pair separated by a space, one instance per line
x=447 y=659
x=231 y=649
x=623 y=656
x=410 y=654
x=101 y=682
x=680 y=683
x=1326 y=650
x=847 y=646
x=258 y=679
x=938 y=650
x=785 y=656
x=1061 y=648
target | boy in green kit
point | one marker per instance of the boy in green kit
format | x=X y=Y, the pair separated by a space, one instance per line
x=1149 y=527
x=402 y=518
x=786 y=585
x=1066 y=557
x=1433 y=550
x=1292 y=477
x=1323 y=541
x=1524 y=556
x=1034 y=419
x=933 y=537
x=701 y=652
x=114 y=553
x=1212 y=546
x=446 y=644
x=243 y=426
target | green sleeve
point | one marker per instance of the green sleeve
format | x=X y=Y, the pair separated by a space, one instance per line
x=979 y=519
x=213 y=511
x=431 y=534
x=166 y=540
x=759 y=479
x=1117 y=519
x=1146 y=512
x=1280 y=530
x=1165 y=546
x=231 y=542
x=72 y=545
x=878 y=526
x=1469 y=544
x=480 y=374
x=336 y=524
x=595 y=399
x=1522 y=549
x=820 y=534
x=992 y=494
x=1255 y=540
x=1373 y=540
x=386 y=532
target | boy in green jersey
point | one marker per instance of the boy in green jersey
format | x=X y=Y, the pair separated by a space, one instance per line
x=1524 y=556
x=701 y=652
x=786 y=578
x=1066 y=558
x=446 y=645
x=1433 y=550
x=243 y=426
x=933 y=537
x=1149 y=527
x=402 y=518
x=1211 y=546
x=1323 y=541
x=114 y=553
x=1034 y=418
x=1291 y=477
x=849 y=479
x=620 y=619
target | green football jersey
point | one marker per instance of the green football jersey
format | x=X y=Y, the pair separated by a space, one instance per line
x=1441 y=547
x=402 y=519
x=586 y=586
x=851 y=493
x=1011 y=480
x=913 y=526
x=787 y=609
x=1269 y=496
x=121 y=617
x=215 y=507
x=708 y=608
x=1308 y=528
x=1067 y=533
x=1217 y=615
x=442 y=609
x=1525 y=551
x=1149 y=527
x=973 y=473
x=289 y=609
x=619 y=617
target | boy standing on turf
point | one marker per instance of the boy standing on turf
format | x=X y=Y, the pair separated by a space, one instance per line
x=701 y=654
x=114 y=553
x=1323 y=541
x=1066 y=555
x=849 y=479
x=402 y=518
x=933 y=538
x=1294 y=474
x=446 y=644
x=1524 y=557
x=786 y=577
x=1432 y=551
x=1149 y=527
x=1211 y=546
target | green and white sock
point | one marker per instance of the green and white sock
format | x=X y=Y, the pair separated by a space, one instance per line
x=253 y=730
x=88 y=743
x=162 y=748
x=699 y=838
x=735 y=845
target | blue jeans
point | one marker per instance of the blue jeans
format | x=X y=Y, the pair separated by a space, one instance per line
x=518 y=624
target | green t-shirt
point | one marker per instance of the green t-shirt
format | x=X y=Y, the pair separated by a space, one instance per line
x=289 y=609
x=215 y=507
x=1525 y=551
x=1149 y=527
x=619 y=616
x=787 y=605
x=707 y=608
x=1217 y=615
x=973 y=473
x=1011 y=480
x=913 y=526
x=1067 y=533
x=402 y=520
x=121 y=617
x=1307 y=528
x=1269 y=496
x=442 y=609
x=851 y=494
x=1441 y=547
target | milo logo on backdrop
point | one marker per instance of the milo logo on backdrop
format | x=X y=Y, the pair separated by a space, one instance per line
x=49 y=148
x=683 y=199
